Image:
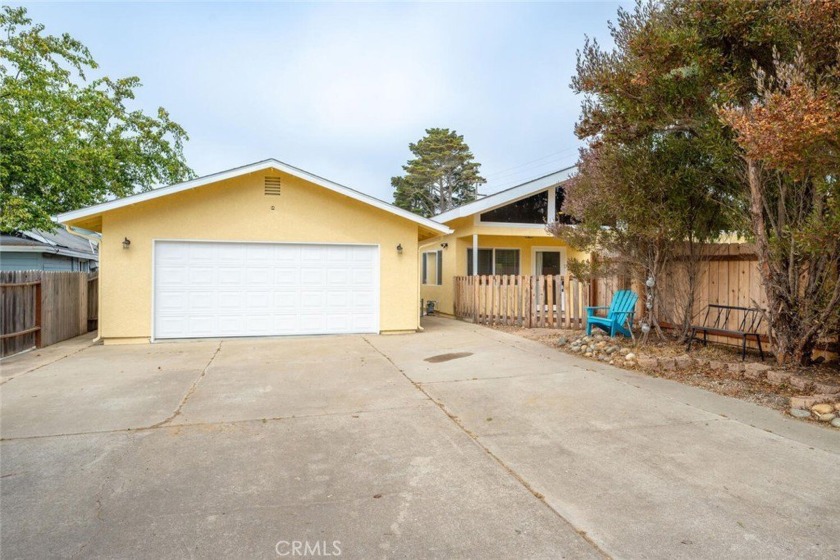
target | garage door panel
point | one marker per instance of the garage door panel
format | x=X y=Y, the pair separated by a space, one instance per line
x=253 y=289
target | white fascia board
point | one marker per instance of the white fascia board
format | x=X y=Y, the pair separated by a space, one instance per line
x=507 y=196
x=244 y=170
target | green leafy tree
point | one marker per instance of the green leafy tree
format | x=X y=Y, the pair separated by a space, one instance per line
x=753 y=87
x=653 y=173
x=66 y=142
x=441 y=176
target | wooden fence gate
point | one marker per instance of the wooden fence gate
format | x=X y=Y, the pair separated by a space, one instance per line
x=524 y=301
x=41 y=308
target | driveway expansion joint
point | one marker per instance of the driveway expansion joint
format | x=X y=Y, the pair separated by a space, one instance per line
x=475 y=439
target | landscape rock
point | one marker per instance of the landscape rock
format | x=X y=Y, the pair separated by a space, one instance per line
x=823 y=408
x=630 y=356
x=756 y=371
x=799 y=382
x=826 y=388
x=809 y=401
x=735 y=368
x=837 y=406
x=668 y=364
x=648 y=363
x=588 y=354
x=836 y=422
x=826 y=417
x=562 y=341
x=716 y=365
x=800 y=413
x=684 y=361
x=777 y=377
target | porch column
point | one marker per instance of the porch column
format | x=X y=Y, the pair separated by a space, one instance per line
x=552 y=205
x=475 y=255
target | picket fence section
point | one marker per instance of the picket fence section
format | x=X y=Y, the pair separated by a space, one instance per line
x=523 y=301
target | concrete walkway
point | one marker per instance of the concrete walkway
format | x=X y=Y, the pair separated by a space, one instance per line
x=497 y=447
x=647 y=468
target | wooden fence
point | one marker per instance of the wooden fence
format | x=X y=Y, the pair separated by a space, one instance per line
x=727 y=275
x=525 y=301
x=41 y=308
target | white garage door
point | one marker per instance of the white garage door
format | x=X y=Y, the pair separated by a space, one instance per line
x=264 y=289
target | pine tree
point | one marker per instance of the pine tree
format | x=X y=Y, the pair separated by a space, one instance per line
x=442 y=175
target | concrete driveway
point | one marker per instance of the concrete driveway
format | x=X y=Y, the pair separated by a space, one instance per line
x=498 y=448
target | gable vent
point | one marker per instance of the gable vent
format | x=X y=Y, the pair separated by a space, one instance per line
x=272 y=186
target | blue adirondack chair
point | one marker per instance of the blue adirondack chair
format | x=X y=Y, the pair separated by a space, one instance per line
x=619 y=317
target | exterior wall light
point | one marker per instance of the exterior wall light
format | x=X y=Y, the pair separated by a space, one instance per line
x=399 y=248
x=444 y=245
x=126 y=243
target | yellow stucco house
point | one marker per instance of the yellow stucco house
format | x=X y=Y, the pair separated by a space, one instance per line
x=261 y=250
x=504 y=233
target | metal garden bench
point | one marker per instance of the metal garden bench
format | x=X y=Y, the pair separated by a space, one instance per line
x=717 y=322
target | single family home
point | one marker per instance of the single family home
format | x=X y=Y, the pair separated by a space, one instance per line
x=500 y=234
x=263 y=249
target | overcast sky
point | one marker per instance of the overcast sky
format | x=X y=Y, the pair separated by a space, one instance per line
x=341 y=89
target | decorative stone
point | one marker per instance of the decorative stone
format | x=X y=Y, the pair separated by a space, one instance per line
x=777 y=377
x=799 y=382
x=601 y=344
x=562 y=341
x=807 y=402
x=823 y=408
x=683 y=361
x=630 y=356
x=716 y=365
x=735 y=368
x=756 y=371
x=836 y=422
x=826 y=388
x=588 y=354
x=837 y=406
x=668 y=364
x=800 y=413
x=611 y=349
x=826 y=417
x=648 y=363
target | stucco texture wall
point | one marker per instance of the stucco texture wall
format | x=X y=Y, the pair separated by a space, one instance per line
x=238 y=210
x=500 y=237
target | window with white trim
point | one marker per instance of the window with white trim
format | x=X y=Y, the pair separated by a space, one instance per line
x=433 y=268
x=494 y=261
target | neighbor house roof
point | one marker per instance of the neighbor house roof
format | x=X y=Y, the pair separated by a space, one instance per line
x=507 y=196
x=244 y=170
x=57 y=242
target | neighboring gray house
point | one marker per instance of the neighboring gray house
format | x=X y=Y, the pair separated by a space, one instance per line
x=54 y=251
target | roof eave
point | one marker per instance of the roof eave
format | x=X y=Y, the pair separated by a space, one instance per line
x=94 y=210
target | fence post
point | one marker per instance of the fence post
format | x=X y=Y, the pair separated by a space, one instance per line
x=38 y=310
